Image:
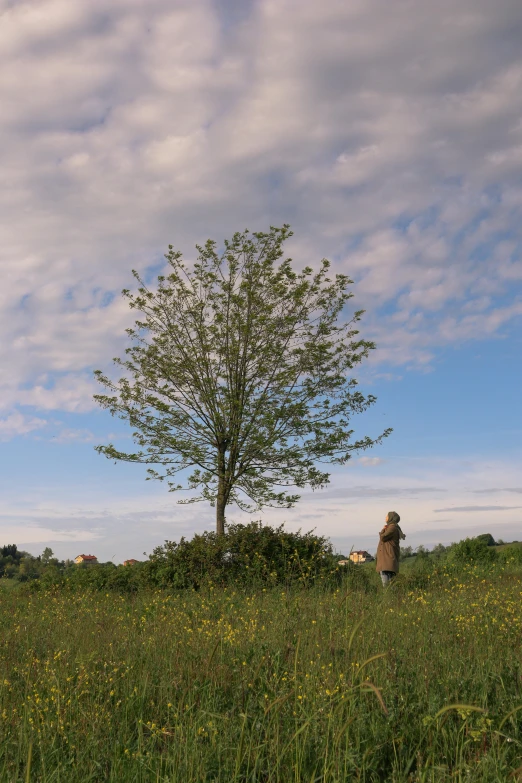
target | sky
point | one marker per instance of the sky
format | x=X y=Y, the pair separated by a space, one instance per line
x=388 y=135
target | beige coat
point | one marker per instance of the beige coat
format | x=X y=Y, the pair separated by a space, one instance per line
x=388 y=549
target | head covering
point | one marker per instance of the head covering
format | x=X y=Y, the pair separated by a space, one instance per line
x=394 y=519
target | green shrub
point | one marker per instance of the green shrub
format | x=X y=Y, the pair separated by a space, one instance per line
x=126 y=579
x=52 y=576
x=487 y=538
x=249 y=555
x=439 y=551
x=471 y=551
x=85 y=577
x=511 y=555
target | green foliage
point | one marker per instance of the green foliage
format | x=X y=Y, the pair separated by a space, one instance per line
x=101 y=576
x=487 y=538
x=251 y=557
x=47 y=555
x=439 y=550
x=11 y=550
x=471 y=550
x=511 y=554
x=10 y=557
x=240 y=370
x=421 y=573
x=246 y=555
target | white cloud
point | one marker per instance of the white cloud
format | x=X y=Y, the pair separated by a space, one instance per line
x=389 y=135
x=17 y=424
x=67 y=393
x=69 y=435
x=27 y=534
x=370 y=461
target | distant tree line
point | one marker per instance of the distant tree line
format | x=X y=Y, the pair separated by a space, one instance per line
x=250 y=556
x=441 y=550
x=16 y=564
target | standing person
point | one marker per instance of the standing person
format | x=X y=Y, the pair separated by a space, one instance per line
x=388 y=550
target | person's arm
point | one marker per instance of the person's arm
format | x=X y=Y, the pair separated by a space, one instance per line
x=388 y=533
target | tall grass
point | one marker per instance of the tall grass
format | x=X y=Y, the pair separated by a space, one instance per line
x=418 y=683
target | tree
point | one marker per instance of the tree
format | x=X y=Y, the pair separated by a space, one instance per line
x=47 y=555
x=10 y=550
x=239 y=370
x=30 y=568
x=487 y=538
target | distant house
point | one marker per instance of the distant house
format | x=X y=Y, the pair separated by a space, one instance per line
x=361 y=556
x=130 y=562
x=90 y=559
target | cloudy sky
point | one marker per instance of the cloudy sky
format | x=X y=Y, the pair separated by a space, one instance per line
x=389 y=135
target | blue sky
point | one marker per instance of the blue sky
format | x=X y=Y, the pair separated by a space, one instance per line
x=388 y=135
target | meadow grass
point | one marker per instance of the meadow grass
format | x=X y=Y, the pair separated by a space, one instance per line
x=348 y=684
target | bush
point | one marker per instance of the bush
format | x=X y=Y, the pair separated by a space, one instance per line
x=511 y=555
x=487 y=538
x=439 y=550
x=104 y=576
x=249 y=555
x=126 y=579
x=471 y=551
x=52 y=577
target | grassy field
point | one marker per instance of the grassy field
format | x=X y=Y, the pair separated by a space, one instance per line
x=501 y=547
x=348 y=685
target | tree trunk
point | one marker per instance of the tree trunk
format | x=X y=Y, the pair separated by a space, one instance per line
x=221 y=500
x=220 y=516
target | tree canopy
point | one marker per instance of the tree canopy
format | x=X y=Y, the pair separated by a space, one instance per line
x=239 y=370
x=487 y=538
